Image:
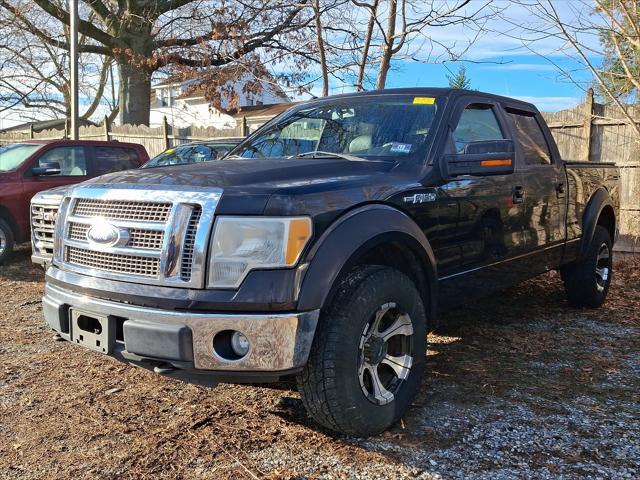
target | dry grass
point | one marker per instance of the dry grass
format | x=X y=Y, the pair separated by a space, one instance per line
x=69 y=413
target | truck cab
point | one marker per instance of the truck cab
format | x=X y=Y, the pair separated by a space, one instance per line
x=324 y=245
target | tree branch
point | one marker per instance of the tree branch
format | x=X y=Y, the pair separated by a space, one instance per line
x=84 y=27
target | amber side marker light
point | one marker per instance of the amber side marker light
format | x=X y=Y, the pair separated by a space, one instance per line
x=495 y=163
x=299 y=234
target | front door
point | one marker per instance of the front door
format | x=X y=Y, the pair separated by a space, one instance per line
x=73 y=169
x=489 y=232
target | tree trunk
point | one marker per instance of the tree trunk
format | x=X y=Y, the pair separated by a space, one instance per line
x=321 y=50
x=135 y=93
x=387 y=49
x=373 y=14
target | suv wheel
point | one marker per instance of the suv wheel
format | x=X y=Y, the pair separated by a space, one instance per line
x=6 y=241
x=587 y=282
x=367 y=359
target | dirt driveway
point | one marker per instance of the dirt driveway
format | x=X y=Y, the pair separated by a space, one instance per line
x=519 y=386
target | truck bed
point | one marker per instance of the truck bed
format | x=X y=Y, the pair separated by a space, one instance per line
x=583 y=179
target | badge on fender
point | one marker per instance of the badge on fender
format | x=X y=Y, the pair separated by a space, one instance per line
x=420 y=198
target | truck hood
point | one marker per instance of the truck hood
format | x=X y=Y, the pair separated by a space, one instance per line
x=259 y=176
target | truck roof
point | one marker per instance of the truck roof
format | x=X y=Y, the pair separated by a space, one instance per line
x=434 y=91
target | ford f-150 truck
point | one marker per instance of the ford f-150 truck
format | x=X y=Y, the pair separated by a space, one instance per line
x=32 y=166
x=324 y=244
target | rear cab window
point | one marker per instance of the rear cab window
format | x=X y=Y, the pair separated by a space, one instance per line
x=114 y=159
x=530 y=138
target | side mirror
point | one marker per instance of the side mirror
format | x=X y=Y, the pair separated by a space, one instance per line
x=50 y=168
x=490 y=157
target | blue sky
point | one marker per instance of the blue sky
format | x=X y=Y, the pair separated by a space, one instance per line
x=529 y=78
x=501 y=62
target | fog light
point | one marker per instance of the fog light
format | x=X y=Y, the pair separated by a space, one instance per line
x=239 y=344
x=230 y=345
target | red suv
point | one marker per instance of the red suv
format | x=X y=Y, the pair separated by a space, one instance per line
x=31 y=166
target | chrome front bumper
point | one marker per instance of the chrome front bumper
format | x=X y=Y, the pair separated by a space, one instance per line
x=278 y=342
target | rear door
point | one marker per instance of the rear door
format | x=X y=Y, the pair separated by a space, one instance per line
x=543 y=188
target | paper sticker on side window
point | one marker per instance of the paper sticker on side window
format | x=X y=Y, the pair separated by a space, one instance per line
x=424 y=100
x=400 y=147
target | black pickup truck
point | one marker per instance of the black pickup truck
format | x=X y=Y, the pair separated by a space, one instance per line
x=325 y=243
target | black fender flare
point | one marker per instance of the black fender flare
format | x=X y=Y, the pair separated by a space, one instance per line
x=598 y=201
x=353 y=234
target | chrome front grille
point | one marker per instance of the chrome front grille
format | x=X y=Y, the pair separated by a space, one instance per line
x=110 y=262
x=43 y=222
x=126 y=233
x=141 y=238
x=189 y=244
x=138 y=237
x=123 y=210
x=78 y=231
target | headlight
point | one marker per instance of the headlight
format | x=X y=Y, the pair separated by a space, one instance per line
x=242 y=244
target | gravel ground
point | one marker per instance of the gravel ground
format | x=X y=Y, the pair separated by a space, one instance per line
x=520 y=386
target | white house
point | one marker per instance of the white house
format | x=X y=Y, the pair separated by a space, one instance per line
x=184 y=105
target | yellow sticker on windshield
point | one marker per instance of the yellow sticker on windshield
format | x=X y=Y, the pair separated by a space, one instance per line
x=170 y=150
x=424 y=100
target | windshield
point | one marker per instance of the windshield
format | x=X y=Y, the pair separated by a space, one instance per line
x=385 y=127
x=12 y=156
x=190 y=154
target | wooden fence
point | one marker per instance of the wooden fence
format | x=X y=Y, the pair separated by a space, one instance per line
x=155 y=140
x=598 y=133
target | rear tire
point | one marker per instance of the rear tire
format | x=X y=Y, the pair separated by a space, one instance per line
x=367 y=359
x=6 y=241
x=587 y=282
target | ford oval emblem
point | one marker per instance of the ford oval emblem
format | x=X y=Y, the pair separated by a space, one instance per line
x=103 y=234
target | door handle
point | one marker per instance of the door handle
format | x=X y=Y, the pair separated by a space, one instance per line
x=560 y=189
x=518 y=194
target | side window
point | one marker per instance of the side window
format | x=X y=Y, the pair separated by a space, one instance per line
x=114 y=159
x=72 y=160
x=478 y=122
x=535 y=150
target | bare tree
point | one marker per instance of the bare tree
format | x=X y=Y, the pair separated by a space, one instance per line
x=143 y=37
x=372 y=9
x=358 y=42
x=317 y=14
x=588 y=32
x=35 y=75
x=398 y=30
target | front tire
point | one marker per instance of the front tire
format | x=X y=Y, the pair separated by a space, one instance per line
x=367 y=359
x=587 y=282
x=6 y=241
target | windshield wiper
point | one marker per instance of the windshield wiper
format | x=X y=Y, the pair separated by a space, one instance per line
x=323 y=154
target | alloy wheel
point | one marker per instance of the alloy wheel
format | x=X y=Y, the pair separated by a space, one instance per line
x=603 y=270
x=385 y=354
